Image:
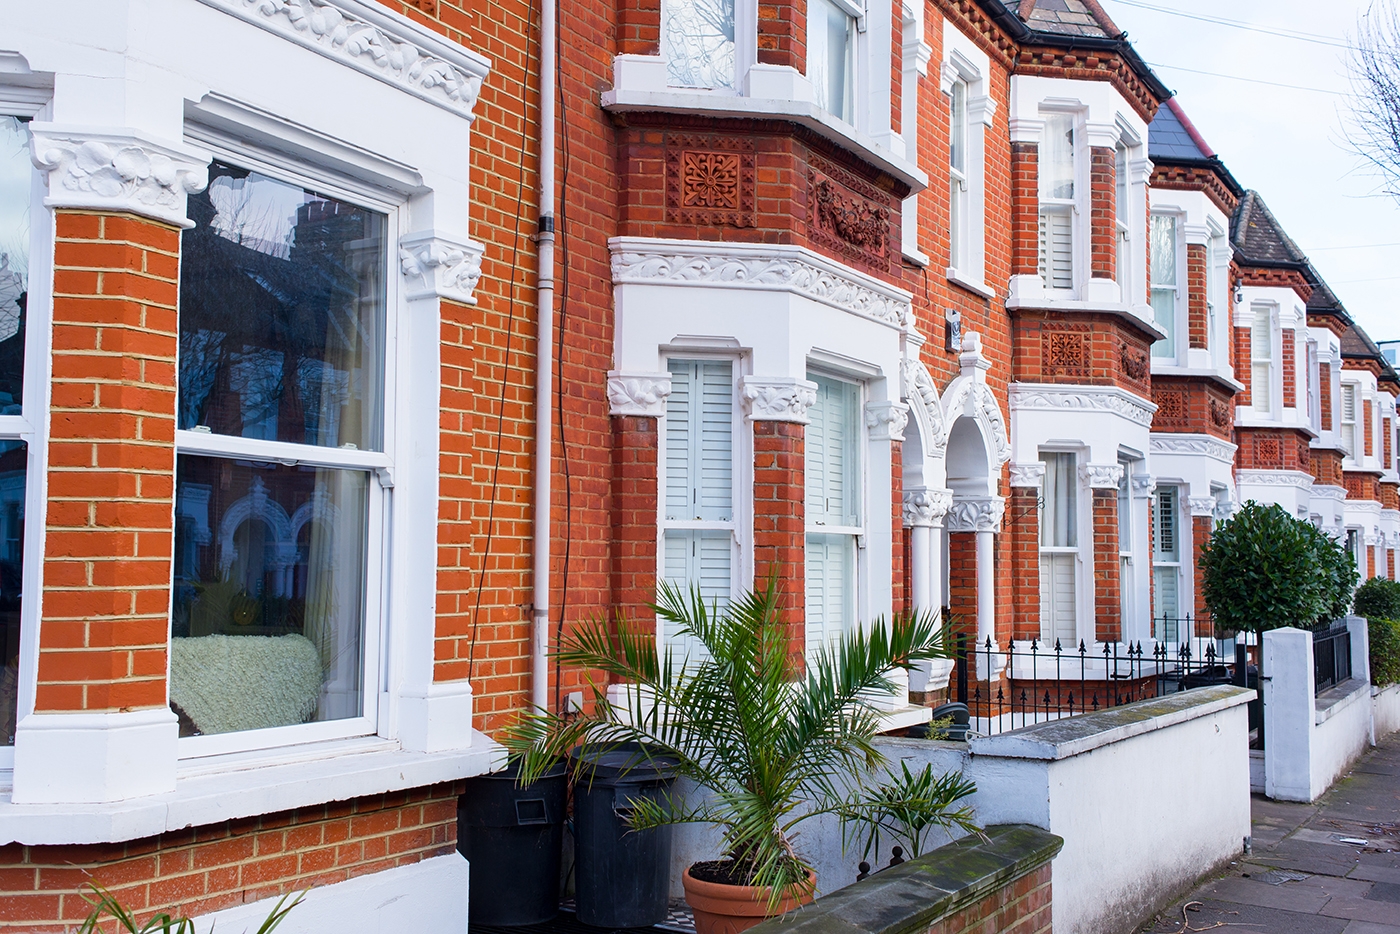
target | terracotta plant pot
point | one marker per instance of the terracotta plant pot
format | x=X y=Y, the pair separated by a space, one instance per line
x=729 y=909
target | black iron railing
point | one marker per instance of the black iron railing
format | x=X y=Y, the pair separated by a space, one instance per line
x=1331 y=658
x=1028 y=681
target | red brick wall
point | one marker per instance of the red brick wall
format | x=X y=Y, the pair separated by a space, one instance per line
x=1290 y=369
x=1023 y=907
x=1324 y=379
x=897 y=65
x=110 y=512
x=962 y=583
x=1022 y=522
x=1386 y=435
x=204 y=869
x=1370 y=561
x=634 y=507
x=1025 y=209
x=1201 y=529
x=782 y=33
x=1390 y=563
x=1390 y=495
x=899 y=579
x=1326 y=466
x=1366 y=416
x=1108 y=600
x=639 y=27
x=1197 y=312
x=1103 y=214
x=1362 y=486
x=1081 y=348
x=779 y=517
x=1192 y=404
x=1243 y=372
x=1273 y=449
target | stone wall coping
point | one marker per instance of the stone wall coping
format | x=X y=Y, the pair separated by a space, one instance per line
x=1073 y=736
x=913 y=895
x=1338 y=698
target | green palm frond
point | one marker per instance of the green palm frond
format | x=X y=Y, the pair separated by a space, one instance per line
x=770 y=744
x=103 y=902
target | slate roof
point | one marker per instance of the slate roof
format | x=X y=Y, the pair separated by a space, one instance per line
x=1067 y=18
x=1169 y=139
x=1323 y=300
x=1258 y=238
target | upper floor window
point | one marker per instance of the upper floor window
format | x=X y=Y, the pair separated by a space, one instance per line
x=1314 y=397
x=831 y=54
x=1165 y=291
x=1349 y=420
x=699 y=43
x=1122 y=220
x=833 y=513
x=958 y=175
x=1059 y=549
x=1261 y=358
x=698 y=527
x=17 y=193
x=1057 y=204
x=279 y=535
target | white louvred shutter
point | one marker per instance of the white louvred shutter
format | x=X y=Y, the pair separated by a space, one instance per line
x=679 y=441
x=1167 y=601
x=1261 y=352
x=1057 y=602
x=1166 y=524
x=716 y=440
x=1057 y=248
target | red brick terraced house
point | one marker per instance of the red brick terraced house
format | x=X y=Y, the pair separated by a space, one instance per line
x=348 y=359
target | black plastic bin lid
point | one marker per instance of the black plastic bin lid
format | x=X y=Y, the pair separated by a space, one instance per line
x=623 y=764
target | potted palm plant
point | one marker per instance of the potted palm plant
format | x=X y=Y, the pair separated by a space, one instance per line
x=767 y=740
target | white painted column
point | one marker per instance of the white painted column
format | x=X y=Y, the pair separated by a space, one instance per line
x=924 y=510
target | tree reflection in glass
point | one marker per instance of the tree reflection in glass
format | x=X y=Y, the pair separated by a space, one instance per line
x=700 y=43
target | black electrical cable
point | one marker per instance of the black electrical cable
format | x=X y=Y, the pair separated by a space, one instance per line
x=505 y=375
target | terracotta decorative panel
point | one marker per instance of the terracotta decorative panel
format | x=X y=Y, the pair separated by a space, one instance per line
x=1066 y=353
x=710 y=179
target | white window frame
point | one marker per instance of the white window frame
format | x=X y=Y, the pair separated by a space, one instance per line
x=1180 y=327
x=966 y=64
x=378 y=464
x=1127 y=542
x=856 y=478
x=856 y=10
x=745 y=48
x=1353 y=448
x=31 y=426
x=959 y=184
x=1162 y=562
x=1072 y=207
x=1314 y=395
x=1082 y=511
x=1269 y=365
x=741 y=492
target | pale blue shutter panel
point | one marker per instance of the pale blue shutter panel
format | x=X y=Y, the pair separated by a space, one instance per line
x=716 y=440
x=679 y=441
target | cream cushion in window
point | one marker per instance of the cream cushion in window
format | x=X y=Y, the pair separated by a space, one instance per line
x=229 y=683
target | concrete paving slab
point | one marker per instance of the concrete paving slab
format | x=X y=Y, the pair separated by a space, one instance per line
x=1370 y=927
x=1308 y=897
x=1248 y=918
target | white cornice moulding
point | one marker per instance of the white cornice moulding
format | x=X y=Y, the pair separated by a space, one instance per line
x=375 y=41
x=886 y=420
x=118 y=169
x=435 y=264
x=1052 y=397
x=777 y=400
x=1192 y=445
x=640 y=394
x=757 y=267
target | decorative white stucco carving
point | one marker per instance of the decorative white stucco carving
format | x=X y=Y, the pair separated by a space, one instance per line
x=1028 y=475
x=969 y=395
x=369 y=38
x=1030 y=397
x=1293 y=478
x=638 y=393
x=436 y=264
x=926 y=507
x=979 y=514
x=777 y=400
x=118 y=171
x=1169 y=443
x=1143 y=484
x=757 y=267
x=886 y=420
x=922 y=396
x=1101 y=476
x=1202 y=505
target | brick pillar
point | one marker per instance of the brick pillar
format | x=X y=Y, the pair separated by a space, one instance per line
x=1370 y=561
x=1324 y=398
x=639 y=27
x=1201 y=529
x=1242 y=350
x=1197 y=314
x=634 y=491
x=1025 y=209
x=962 y=583
x=898 y=567
x=782 y=33
x=1023 y=517
x=897 y=71
x=1108 y=601
x=1290 y=368
x=779 y=518
x=1103 y=213
x=111 y=479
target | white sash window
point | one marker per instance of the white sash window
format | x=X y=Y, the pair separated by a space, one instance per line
x=958 y=176
x=1165 y=291
x=1261 y=357
x=1059 y=551
x=699 y=43
x=1349 y=421
x=831 y=54
x=833 y=514
x=1166 y=563
x=1057 y=204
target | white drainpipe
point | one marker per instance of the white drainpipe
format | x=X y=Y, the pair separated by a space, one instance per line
x=544 y=359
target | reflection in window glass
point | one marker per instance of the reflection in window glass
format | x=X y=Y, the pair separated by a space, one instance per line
x=281 y=314
x=16 y=178
x=269 y=603
x=830 y=56
x=1164 y=261
x=700 y=43
x=13 y=460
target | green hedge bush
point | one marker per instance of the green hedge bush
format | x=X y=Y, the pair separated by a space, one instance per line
x=1385 y=650
x=1264 y=569
x=1378 y=598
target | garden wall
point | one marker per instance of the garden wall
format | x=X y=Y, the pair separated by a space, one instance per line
x=1385 y=710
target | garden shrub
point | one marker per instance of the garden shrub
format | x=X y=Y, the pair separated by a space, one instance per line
x=1263 y=569
x=1385 y=650
x=1378 y=598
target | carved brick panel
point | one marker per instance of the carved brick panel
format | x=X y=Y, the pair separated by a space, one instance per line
x=1066 y=353
x=849 y=216
x=710 y=179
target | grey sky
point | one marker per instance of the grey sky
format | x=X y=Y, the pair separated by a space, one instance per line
x=1285 y=143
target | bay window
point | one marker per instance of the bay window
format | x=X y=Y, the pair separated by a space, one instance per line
x=1165 y=291
x=833 y=513
x=699 y=43
x=1166 y=564
x=698 y=528
x=17 y=196
x=1261 y=360
x=1057 y=204
x=958 y=176
x=831 y=54
x=1059 y=550
x=1122 y=222
x=281 y=463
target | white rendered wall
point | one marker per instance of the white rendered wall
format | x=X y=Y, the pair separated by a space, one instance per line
x=1385 y=710
x=426 y=898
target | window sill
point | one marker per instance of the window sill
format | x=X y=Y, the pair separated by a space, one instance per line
x=972 y=285
x=639 y=85
x=223 y=788
x=1223 y=375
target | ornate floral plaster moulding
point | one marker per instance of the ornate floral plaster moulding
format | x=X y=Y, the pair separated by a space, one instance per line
x=783 y=399
x=638 y=394
x=373 y=40
x=435 y=264
x=118 y=169
x=757 y=267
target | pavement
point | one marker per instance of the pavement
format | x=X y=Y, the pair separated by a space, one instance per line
x=1330 y=867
